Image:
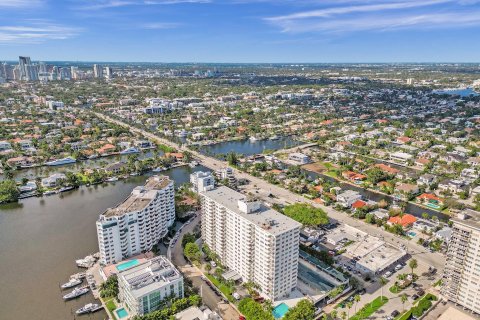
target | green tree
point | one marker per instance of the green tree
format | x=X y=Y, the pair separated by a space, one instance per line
x=8 y=191
x=192 y=252
x=109 y=288
x=304 y=310
x=357 y=300
x=232 y=158
x=383 y=282
x=413 y=264
x=404 y=299
x=306 y=214
x=188 y=238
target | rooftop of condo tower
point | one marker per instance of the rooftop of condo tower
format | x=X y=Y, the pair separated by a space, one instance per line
x=140 y=197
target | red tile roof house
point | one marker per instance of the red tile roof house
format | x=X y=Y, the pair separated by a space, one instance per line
x=430 y=199
x=403 y=140
x=353 y=176
x=406 y=221
x=387 y=169
x=358 y=205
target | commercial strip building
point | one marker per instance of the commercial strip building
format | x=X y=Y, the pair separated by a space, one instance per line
x=259 y=243
x=143 y=287
x=462 y=275
x=138 y=223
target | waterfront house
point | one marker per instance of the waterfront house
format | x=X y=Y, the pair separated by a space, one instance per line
x=353 y=176
x=426 y=180
x=115 y=168
x=406 y=221
x=53 y=181
x=299 y=158
x=405 y=190
x=387 y=169
x=401 y=157
x=20 y=162
x=451 y=186
x=347 y=198
x=430 y=200
x=380 y=214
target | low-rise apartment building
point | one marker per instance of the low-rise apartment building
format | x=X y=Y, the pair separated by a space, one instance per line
x=142 y=288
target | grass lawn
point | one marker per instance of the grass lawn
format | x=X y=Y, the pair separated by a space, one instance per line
x=407 y=314
x=370 y=308
x=395 y=289
x=226 y=290
x=110 y=304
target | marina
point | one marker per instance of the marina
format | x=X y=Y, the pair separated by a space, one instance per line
x=56 y=231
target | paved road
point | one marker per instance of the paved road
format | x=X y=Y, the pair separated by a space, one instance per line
x=209 y=297
x=264 y=189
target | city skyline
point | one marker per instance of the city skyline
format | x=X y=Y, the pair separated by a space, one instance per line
x=247 y=31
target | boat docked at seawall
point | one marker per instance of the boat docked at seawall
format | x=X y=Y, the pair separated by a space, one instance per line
x=193 y=164
x=87 y=262
x=253 y=139
x=71 y=283
x=130 y=150
x=112 y=179
x=77 y=292
x=89 y=308
x=159 y=169
x=59 y=162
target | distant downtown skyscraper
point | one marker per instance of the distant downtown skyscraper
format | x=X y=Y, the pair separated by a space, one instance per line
x=139 y=222
x=97 y=71
x=257 y=242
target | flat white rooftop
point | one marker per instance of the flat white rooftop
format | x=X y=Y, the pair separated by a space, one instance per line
x=268 y=219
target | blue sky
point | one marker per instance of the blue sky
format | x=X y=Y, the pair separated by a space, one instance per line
x=241 y=30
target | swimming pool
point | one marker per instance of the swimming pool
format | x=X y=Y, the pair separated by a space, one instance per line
x=126 y=265
x=280 y=310
x=121 y=313
x=412 y=234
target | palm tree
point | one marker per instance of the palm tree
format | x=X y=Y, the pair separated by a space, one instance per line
x=404 y=299
x=334 y=314
x=344 y=315
x=383 y=282
x=413 y=264
x=349 y=306
x=357 y=300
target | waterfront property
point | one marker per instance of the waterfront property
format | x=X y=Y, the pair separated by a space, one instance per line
x=257 y=242
x=143 y=287
x=202 y=181
x=138 y=223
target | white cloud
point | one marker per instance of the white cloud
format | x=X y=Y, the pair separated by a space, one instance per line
x=20 y=3
x=105 y=4
x=380 y=16
x=35 y=32
x=161 y=25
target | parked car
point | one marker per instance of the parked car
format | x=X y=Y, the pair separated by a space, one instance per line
x=213 y=264
x=414 y=297
x=236 y=295
x=395 y=313
x=387 y=274
x=362 y=291
x=421 y=292
x=398 y=267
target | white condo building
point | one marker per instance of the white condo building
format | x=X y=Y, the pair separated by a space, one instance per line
x=462 y=273
x=142 y=288
x=139 y=222
x=259 y=243
x=202 y=181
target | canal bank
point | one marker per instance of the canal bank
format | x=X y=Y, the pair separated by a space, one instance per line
x=41 y=239
x=411 y=208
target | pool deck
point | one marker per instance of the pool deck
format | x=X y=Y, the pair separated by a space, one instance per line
x=292 y=300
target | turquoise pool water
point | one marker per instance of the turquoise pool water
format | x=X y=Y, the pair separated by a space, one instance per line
x=412 y=234
x=121 y=313
x=127 y=265
x=280 y=310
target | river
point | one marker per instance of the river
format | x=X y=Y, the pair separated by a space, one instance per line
x=247 y=147
x=370 y=195
x=42 y=237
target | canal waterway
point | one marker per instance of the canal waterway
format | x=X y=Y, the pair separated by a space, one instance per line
x=40 y=239
x=248 y=147
x=374 y=196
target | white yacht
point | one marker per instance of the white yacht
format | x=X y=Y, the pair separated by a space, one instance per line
x=86 y=262
x=60 y=162
x=112 y=179
x=253 y=139
x=193 y=164
x=130 y=150
x=89 y=308
x=77 y=292
x=71 y=283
